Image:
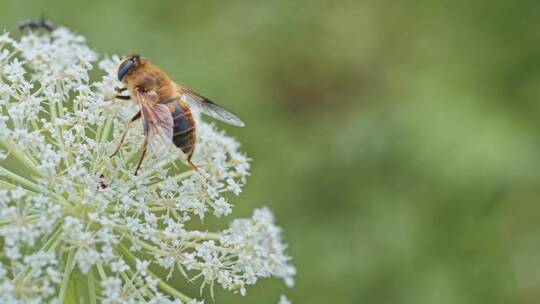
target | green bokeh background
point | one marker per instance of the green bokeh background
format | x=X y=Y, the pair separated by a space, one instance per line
x=396 y=141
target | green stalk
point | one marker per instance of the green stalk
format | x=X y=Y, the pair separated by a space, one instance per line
x=130 y=157
x=7 y=186
x=212 y=236
x=28 y=185
x=147 y=246
x=163 y=164
x=91 y=287
x=131 y=282
x=101 y=272
x=51 y=244
x=161 y=284
x=102 y=134
x=146 y=290
x=60 y=108
x=176 y=178
x=97 y=138
x=106 y=130
x=68 y=161
x=98 y=132
x=34 y=124
x=67 y=273
x=72 y=294
x=21 y=180
x=21 y=157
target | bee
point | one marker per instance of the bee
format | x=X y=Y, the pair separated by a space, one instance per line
x=165 y=108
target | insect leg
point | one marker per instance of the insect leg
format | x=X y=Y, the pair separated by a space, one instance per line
x=134 y=118
x=118 y=96
x=142 y=155
x=194 y=167
x=192 y=164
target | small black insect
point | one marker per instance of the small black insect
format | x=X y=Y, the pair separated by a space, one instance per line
x=43 y=23
x=102 y=183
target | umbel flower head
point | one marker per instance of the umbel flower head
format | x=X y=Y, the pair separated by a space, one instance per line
x=77 y=224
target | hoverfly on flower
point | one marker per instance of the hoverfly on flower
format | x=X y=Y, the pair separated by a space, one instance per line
x=165 y=108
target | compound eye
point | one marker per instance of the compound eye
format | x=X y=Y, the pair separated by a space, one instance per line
x=124 y=68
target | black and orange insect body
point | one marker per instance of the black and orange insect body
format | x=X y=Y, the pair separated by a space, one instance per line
x=184 y=135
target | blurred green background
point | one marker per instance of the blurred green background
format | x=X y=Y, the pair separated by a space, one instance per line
x=396 y=141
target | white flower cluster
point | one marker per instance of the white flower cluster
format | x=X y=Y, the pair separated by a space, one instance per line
x=75 y=222
x=248 y=250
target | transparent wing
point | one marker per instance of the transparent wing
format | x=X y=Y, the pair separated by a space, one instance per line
x=208 y=107
x=157 y=122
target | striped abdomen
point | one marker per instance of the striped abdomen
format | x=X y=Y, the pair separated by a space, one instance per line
x=184 y=136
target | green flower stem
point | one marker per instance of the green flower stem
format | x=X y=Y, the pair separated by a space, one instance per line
x=55 y=113
x=60 y=108
x=193 y=241
x=176 y=178
x=106 y=130
x=212 y=236
x=129 y=281
x=141 y=285
x=163 y=164
x=50 y=245
x=28 y=185
x=72 y=293
x=143 y=244
x=131 y=157
x=192 y=244
x=147 y=246
x=21 y=157
x=34 y=124
x=99 y=131
x=67 y=273
x=164 y=286
x=8 y=186
x=102 y=134
x=97 y=138
x=101 y=271
x=91 y=287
